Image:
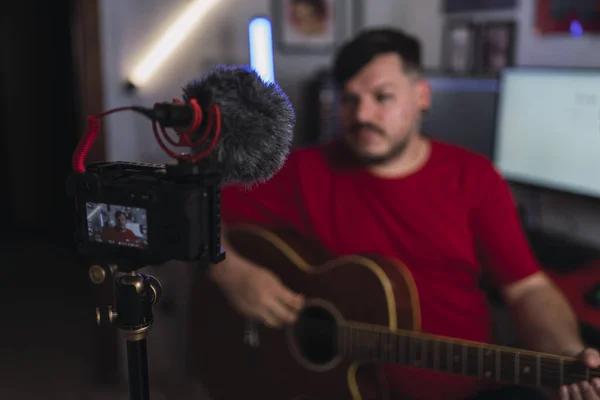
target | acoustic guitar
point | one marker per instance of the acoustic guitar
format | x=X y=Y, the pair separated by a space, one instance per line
x=361 y=310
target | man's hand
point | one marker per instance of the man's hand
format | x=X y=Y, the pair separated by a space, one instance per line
x=584 y=390
x=257 y=293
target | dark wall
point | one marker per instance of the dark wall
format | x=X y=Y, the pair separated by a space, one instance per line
x=38 y=114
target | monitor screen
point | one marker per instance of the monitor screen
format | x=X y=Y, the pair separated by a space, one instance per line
x=117 y=225
x=462 y=112
x=548 y=129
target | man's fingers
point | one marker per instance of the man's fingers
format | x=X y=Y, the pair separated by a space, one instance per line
x=591 y=358
x=575 y=392
x=589 y=393
x=282 y=312
x=291 y=299
x=596 y=384
x=270 y=320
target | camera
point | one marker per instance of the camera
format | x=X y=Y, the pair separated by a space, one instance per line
x=142 y=214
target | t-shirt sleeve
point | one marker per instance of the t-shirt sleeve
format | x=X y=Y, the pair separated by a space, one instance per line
x=274 y=203
x=503 y=247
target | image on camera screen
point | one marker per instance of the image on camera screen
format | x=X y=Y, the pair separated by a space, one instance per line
x=117 y=225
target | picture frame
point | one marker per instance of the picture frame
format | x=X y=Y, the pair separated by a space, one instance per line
x=459 y=47
x=465 y=6
x=567 y=18
x=495 y=47
x=313 y=26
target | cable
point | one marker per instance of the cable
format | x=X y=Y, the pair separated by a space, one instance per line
x=214 y=117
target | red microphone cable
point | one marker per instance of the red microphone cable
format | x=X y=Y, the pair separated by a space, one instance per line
x=214 y=117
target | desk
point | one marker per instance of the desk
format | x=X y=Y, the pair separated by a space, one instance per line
x=574 y=285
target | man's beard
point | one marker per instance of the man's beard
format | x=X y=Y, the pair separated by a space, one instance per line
x=394 y=152
x=371 y=160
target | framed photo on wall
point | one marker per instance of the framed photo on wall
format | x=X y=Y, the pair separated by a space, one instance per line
x=496 y=47
x=458 y=6
x=313 y=26
x=459 y=44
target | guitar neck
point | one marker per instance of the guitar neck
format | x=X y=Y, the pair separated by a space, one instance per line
x=496 y=363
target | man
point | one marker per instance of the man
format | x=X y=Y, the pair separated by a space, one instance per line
x=120 y=234
x=385 y=188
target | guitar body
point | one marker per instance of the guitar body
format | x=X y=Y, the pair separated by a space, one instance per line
x=298 y=362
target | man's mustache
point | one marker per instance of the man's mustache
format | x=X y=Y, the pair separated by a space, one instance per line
x=357 y=127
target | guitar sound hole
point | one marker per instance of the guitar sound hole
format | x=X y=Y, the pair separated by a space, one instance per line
x=315 y=335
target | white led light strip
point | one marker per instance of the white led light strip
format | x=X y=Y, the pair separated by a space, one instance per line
x=171 y=39
x=261 y=48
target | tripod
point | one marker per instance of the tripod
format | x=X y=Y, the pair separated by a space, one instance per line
x=135 y=294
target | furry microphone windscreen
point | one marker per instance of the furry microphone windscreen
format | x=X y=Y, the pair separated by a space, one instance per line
x=257 y=123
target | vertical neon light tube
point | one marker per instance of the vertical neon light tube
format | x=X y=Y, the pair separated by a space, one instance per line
x=261 y=48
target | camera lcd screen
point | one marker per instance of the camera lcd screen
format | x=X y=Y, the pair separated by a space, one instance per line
x=117 y=225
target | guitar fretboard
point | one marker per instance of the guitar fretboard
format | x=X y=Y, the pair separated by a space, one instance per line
x=497 y=363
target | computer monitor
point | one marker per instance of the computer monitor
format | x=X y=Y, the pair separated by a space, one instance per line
x=548 y=129
x=463 y=112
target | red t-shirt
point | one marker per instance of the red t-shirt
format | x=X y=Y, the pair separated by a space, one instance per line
x=119 y=236
x=448 y=222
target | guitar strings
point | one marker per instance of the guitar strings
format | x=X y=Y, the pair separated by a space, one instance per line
x=365 y=339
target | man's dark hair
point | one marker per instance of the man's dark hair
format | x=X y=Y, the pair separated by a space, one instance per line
x=318 y=6
x=368 y=44
x=118 y=214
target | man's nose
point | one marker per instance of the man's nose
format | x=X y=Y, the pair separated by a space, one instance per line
x=365 y=111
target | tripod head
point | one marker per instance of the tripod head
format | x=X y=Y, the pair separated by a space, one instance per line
x=135 y=294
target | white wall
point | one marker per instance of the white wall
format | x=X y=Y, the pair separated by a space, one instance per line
x=561 y=214
x=129 y=27
x=425 y=19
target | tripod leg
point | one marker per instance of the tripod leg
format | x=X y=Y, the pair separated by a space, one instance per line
x=137 y=362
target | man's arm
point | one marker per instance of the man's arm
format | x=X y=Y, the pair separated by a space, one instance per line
x=544 y=318
x=254 y=291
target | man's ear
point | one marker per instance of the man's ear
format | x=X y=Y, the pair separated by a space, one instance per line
x=423 y=94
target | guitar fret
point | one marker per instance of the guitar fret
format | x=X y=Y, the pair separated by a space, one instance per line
x=587 y=374
x=472 y=360
x=341 y=342
x=498 y=360
x=443 y=358
x=562 y=372
x=480 y=361
x=489 y=364
x=403 y=348
x=376 y=346
x=464 y=358
x=379 y=347
x=516 y=367
x=411 y=351
x=528 y=371
x=360 y=344
x=507 y=365
x=436 y=355
x=451 y=360
x=538 y=370
x=393 y=349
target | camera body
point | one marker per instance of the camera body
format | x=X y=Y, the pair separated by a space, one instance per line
x=147 y=214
